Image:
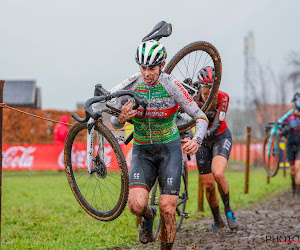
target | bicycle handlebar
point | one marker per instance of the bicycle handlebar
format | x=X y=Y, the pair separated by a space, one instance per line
x=89 y=113
x=270 y=125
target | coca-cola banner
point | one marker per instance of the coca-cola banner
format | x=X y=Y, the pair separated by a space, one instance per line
x=49 y=157
x=33 y=157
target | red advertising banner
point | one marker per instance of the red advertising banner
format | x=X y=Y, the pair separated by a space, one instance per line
x=33 y=157
x=51 y=157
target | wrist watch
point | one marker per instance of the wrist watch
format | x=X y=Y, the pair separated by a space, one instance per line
x=197 y=139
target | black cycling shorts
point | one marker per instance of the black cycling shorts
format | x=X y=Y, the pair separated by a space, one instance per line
x=217 y=145
x=293 y=148
x=150 y=161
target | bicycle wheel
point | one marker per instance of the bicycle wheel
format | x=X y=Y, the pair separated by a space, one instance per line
x=181 y=203
x=271 y=159
x=103 y=192
x=185 y=65
x=154 y=201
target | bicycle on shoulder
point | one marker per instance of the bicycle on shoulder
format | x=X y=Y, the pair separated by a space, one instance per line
x=90 y=145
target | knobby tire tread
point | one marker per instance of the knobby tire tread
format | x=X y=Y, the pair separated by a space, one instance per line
x=182 y=210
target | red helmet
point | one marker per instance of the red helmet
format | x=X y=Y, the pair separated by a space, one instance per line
x=206 y=76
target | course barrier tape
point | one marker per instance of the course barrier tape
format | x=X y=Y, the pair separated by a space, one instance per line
x=3 y=105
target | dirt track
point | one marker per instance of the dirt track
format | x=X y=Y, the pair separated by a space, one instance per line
x=273 y=220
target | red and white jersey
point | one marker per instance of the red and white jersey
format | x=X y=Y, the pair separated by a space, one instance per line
x=217 y=112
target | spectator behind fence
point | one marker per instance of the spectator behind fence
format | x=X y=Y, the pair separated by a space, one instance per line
x=61 y=130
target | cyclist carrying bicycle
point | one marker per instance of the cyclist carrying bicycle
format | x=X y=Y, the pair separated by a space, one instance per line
x=157 y=151
x=293 y=143
x=213 y=155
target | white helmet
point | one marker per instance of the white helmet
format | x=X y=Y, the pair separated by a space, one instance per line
x=150 y=53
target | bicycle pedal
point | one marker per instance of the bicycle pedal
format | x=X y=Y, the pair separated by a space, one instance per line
x=186 y=215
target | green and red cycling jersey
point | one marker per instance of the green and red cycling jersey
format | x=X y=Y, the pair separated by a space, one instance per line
x=164 y=98
x=216 y=113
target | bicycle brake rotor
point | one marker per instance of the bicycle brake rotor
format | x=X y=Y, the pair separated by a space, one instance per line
x=99 y=167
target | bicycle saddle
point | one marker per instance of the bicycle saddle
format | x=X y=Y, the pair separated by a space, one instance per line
x=162 y=29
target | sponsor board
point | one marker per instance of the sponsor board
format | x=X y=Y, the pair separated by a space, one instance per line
x=51 y=157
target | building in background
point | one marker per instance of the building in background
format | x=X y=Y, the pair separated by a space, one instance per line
x=22 y=93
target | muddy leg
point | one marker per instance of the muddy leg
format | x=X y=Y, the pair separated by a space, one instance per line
x=212 y=197
x=167 y=206
x=138 y=203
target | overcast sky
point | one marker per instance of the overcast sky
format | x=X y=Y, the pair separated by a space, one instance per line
x=68 y=46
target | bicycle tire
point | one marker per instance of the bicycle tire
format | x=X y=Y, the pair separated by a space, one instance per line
x=271 y=163
x=180 y=209
x=210 y=50
x=102 y=194
x=182 y=195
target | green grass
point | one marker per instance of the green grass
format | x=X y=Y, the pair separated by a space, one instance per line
x=39 y=211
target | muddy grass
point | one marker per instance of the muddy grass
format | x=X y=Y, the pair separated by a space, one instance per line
x=261 y=225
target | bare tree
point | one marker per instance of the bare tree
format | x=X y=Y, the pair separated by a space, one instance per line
x=280 y=88
x=265 y=86
x=257 y=83
x=294 y=76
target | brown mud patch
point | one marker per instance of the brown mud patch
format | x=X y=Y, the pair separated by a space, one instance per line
x=277 y=219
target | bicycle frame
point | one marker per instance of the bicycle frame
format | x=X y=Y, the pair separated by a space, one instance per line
x=93 y=114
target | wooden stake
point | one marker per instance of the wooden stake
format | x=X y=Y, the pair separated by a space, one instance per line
x=200 y=194
x=247 y=160
x=1 y=122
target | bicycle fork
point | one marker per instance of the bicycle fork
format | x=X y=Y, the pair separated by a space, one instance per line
x=90 y=144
